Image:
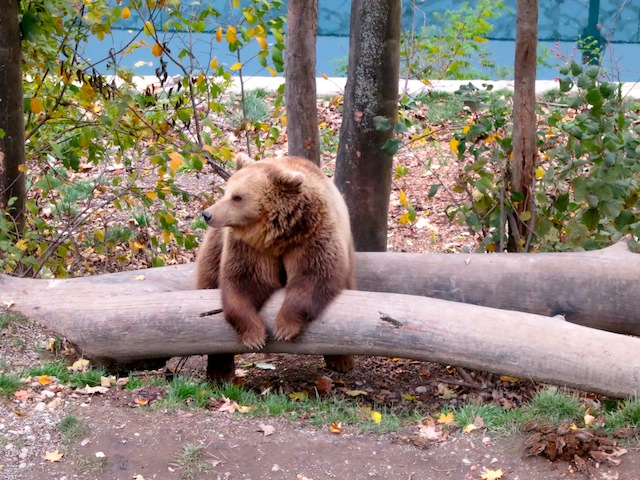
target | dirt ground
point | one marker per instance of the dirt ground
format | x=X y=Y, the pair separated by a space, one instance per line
x=122 y=442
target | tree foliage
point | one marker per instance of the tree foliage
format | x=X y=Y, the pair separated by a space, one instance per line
x=79 y=119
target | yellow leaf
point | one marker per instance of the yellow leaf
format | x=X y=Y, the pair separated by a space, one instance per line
x=22 y=244
x=492 y=474
x=157 y=50
x=236 y=3
x=446 y=418
x=403 y=198
x=79 y=365
x=219 y=34
x=539 y=173
x=404 y=219
x=376 y=417
x=263 y=43
x=525 y=216
x=272 y=71
x=54 y=456
x=335 y=427
x=507 y=378
x=151 y=4
x=245 y=409
x=214 y=63
x=176 y=160
x=477 y=194
x=466 y=128
x=356 y=393
x=298 y=396
x=231 y=35
x=479 y=39
x=44 y=380
x=426 y=82
x=469 y=428
x=588 y=419
x=148 y=28
x=453 y=144
x=126 y=13
x=35 y=105
x=236 y=66
x=99 y=234
x=151 y=195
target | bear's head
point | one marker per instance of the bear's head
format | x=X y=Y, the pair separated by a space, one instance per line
x=255 y=195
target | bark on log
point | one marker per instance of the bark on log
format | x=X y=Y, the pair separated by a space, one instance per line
x=164 y=324
x=597 y=288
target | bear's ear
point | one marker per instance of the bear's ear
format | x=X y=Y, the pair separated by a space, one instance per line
x=288 y=180
x=242 y=160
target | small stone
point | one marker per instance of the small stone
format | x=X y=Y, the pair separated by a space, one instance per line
x=421 y=389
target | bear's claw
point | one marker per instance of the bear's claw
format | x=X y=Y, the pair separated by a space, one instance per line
x=253 y=340
x=287 y=331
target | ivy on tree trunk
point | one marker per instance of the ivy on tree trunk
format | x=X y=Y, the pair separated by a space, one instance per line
x=12 y=153
x=364 y=169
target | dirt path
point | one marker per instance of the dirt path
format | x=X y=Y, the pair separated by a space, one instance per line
x=123 y=443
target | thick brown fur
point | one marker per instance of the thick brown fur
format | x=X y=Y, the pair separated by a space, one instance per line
x=281 y=223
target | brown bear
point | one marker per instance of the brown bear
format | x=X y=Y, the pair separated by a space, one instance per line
x=281 y=223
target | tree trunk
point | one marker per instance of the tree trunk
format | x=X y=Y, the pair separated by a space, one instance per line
x=363 y=169
x=129 y=327
x=598 y=289
x=525 y=150
x=300 y=71
x=12 y=154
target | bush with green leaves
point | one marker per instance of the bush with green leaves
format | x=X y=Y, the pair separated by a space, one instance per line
x=131 y=140
x=587 y=177
x=449 y=47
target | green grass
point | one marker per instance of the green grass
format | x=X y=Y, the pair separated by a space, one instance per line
x=183 y=391
x=554 y=406
x=10 y=318
x=9 y=383
x=627 y=414
x=71 y=427
x=191 y=460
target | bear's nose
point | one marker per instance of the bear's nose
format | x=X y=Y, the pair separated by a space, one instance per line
x=206 y=215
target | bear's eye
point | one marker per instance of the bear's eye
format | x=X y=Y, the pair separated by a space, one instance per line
x=236 y=198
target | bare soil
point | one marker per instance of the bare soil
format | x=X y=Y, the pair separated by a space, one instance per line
x=124 y=439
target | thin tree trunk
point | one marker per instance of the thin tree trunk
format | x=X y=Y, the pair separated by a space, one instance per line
x=363 y=169
x=524 y=125
x=12 y=154
x=300 y=72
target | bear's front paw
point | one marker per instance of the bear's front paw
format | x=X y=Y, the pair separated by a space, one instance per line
x=255 y=339
x=287 y=329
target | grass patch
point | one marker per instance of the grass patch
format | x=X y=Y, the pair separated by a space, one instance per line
x=191 y=460
x=71 y=427
x=183 y=391
x=8 y=319
x=554 y=406
x=9 y=384
x=626 y=415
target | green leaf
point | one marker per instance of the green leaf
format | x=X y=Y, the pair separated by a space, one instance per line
x=433 y=189
x=381 y=123
x=590 y=218
x=391 y=146
x=566 y=84
x=576 y=68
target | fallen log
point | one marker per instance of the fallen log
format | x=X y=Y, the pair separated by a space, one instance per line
x=597 y=288
x=164 y=324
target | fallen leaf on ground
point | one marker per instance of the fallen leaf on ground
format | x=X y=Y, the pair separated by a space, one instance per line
x=267 y=429
x=229 y=406
x=376 y=417
x=492 y=474
x=446 y=418
x=430 y=431
x=298 y=396
x=87 y=390
x=356 y=393
x=22 y=395
x=54 y=456
x=335 y=427
x=44 y=380
x=79 y=365
x=265 y=366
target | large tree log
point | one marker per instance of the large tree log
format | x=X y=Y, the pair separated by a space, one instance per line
x=597 y=288
x=165 y=324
